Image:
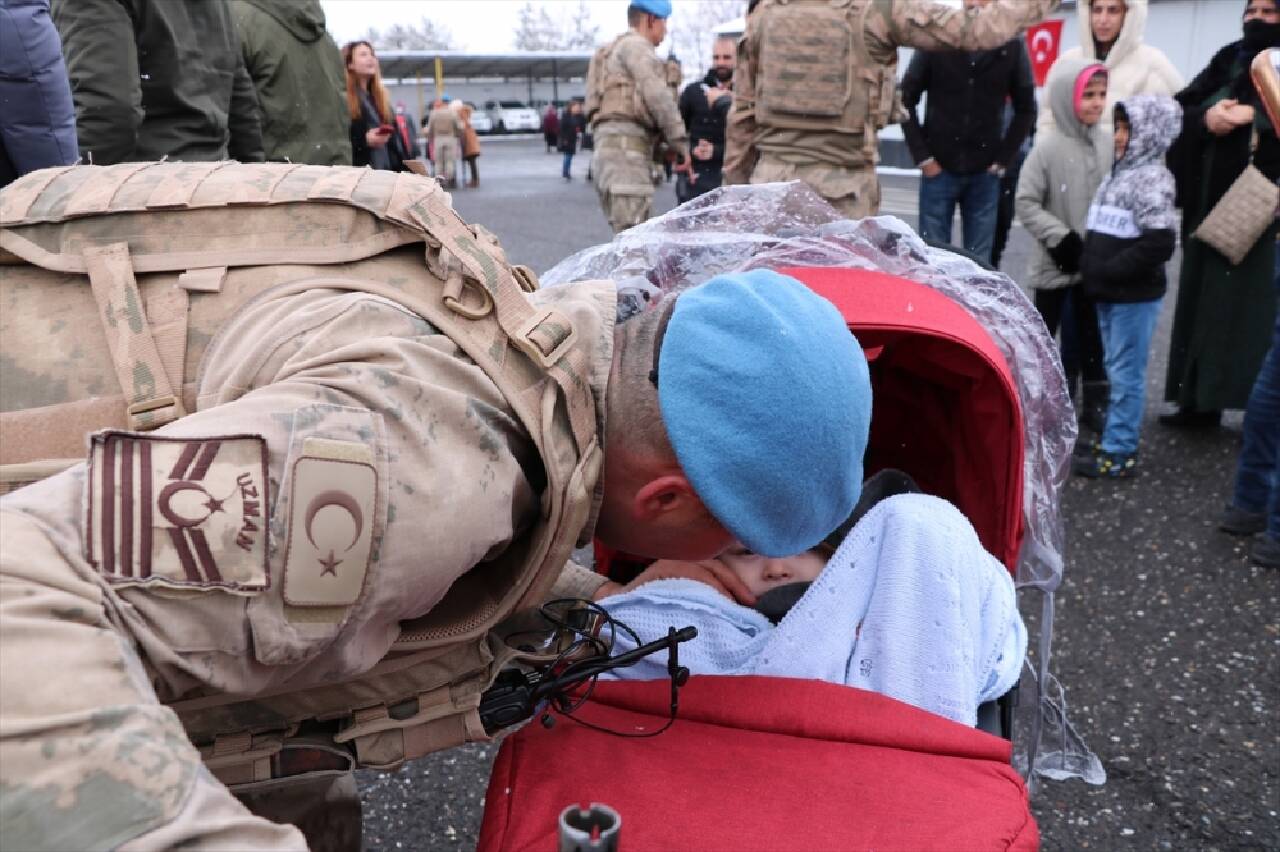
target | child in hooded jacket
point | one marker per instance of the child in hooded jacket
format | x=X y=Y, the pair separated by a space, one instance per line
x=1058 y=179
x=1132 y=231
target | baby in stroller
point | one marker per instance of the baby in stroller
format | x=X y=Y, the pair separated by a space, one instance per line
x=902 y=599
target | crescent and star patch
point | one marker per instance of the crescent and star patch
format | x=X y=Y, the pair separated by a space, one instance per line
x=187 y=513
x=333 y=505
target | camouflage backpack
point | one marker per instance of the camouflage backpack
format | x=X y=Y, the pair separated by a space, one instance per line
x=815 y=70
x=113 y=281
x=611 y=93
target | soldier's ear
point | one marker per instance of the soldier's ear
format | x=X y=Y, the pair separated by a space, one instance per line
x=669 y=496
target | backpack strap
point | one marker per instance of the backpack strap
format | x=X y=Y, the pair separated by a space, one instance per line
x=149 y=395
x=543 y=334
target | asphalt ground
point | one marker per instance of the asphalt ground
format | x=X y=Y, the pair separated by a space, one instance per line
x=1166 y=637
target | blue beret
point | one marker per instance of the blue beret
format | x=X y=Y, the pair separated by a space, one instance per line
x=657 y=8
x=766 y=398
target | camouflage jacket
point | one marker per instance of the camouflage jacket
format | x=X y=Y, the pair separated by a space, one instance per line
x=630 y=87
x=802 y=113
x=443 y=121
x=347 y=463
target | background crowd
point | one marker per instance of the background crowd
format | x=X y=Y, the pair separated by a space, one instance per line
x=106 y=81
x=110 y=81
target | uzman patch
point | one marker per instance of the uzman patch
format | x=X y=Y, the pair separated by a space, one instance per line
x=184 y=513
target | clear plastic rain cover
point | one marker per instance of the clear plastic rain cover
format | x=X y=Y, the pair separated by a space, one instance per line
x=779 y=225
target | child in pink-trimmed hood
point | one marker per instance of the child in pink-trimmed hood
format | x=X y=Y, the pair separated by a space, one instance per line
x=1056 y=186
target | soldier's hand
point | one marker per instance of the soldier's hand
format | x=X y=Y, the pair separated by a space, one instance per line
x=683 y=164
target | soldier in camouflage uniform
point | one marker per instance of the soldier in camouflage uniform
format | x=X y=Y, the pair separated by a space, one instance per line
x=794 y=119
x=443 y=133
x=364 y=452
x=630 y=106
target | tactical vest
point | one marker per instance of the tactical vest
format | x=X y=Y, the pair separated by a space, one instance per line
x=612 y=91
x=814 y=70
x=113 y=280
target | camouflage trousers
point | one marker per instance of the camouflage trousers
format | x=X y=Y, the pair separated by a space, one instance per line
x=854 y=192
x=623 y=168
x=446 y=154
x=89 y=757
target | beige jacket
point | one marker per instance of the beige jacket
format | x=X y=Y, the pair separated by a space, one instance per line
x=1133 y=68
x=442 y=122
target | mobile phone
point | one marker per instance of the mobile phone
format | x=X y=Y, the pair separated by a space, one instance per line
x=384 y=129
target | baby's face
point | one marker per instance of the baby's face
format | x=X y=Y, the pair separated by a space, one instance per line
x=762 y=573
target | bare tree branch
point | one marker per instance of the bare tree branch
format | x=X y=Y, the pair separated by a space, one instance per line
x=427 y=35
x=536 y=29
x=691 y=29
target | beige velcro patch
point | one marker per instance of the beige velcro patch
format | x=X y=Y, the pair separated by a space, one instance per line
x=333 y=500
x=185 y=513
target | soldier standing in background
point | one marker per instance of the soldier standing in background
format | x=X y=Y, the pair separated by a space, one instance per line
x=156 y=79
x=630 y=105
x=297 y=71
x=443 y=130
x=794 y=119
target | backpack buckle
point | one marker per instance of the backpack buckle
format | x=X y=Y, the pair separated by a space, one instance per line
x=545 y=337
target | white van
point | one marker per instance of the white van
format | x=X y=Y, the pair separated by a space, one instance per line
x=512 y=117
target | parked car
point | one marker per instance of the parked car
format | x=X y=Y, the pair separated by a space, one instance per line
x=512 y=116
x=480 y=121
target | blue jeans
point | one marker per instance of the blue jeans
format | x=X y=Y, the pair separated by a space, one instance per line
x=978 y=196
x=1126 y=345
x=1258 y=471
x=568 y=161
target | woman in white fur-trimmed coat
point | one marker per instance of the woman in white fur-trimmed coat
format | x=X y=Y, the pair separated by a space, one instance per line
x=1111 y=33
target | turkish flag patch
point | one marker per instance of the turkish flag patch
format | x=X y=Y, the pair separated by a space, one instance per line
x=179 y=512
x=333 y=507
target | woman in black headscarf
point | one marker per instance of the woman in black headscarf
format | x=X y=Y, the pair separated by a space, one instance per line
x=1224 y=316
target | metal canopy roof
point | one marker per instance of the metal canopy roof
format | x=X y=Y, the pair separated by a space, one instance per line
x=410 y=64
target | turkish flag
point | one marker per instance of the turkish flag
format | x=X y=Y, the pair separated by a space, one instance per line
x=1043 y=43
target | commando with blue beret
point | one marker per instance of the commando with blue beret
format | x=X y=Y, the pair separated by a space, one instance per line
x=766 y=397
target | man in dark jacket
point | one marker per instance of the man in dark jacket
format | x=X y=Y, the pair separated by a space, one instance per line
x=297 y=72
x=704 y=106
x=960 y=150
x=37 y=119
x=158 y=78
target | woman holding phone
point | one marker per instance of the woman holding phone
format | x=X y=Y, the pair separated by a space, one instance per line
x=374 y=141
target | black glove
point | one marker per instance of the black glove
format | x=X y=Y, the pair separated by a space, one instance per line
x=1066 y=254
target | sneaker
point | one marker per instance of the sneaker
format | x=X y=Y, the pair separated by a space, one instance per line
x=1105 y=465
x=1237 y=521
x=1087 y=446
x=1265 y=552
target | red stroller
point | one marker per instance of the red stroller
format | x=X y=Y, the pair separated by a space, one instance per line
x=776 y=763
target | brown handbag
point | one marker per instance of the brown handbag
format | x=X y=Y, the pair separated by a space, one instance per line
x=1241 y=216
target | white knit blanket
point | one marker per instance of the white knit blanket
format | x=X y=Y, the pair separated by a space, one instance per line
x=910 y=606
